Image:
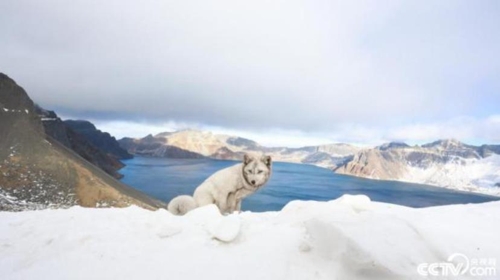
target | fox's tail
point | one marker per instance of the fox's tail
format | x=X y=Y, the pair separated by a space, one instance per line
x=182 y=204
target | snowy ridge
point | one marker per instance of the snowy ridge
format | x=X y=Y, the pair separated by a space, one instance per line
x=444 y=163
x=348 y=238
x=476 y=175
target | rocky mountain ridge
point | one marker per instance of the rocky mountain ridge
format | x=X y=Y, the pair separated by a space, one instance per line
x=65 y=134
x=37 y=171
x=198 y=144
x=102 y=140
x=446 y=163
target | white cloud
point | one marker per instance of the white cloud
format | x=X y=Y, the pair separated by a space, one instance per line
x=257 y=65
x=294 y=72
x=468 y=129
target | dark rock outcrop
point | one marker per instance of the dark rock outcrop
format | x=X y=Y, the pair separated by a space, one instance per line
x=102 y=140
x=71 y=139
x=392 y=145
x=487 y=150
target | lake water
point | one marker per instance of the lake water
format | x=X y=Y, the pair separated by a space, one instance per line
x=166 y=178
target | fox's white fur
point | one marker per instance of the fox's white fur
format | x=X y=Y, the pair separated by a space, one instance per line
x=227 y=187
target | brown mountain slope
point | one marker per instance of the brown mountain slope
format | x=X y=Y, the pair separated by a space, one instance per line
x=58 y=130
x=38 y=172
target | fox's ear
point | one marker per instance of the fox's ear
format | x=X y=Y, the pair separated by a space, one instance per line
x=267 y=160
x=247 y=159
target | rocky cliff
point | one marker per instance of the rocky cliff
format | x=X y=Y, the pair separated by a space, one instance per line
x=72 y=139
x=102 y=140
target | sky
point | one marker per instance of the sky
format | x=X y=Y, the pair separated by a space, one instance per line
x=283 y=73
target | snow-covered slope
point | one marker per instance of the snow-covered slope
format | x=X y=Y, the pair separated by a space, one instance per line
x=349 y=238
x=476 y=175
x=445 y=163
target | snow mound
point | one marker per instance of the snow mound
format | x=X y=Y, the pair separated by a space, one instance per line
x=358 y=203
x=226 y=229
x=348 y=238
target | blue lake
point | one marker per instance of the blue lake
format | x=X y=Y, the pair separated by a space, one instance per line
x=166 y=178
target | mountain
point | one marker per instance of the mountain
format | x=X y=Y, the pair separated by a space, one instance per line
x=63 y=133
x=197 y=144
x=155 y=147
x=102 y=140
x=446 y=163
x=37 y=171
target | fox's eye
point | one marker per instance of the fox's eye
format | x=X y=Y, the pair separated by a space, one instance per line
x=249 y=171
x=260 y=171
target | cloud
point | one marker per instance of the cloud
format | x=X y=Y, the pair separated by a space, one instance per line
x=318 y=67
x=468 y=129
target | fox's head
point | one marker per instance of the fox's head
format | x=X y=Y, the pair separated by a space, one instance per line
x=256 y=170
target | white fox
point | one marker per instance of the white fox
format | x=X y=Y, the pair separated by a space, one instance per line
x=227 y=187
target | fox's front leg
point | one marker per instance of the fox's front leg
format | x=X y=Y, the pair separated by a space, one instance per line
x=238 y=205
x=231 y=203
x=223 y=206
x=227 y=204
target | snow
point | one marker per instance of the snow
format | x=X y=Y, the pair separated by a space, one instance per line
x=10 y=202
x=11 y=110
x=226 y=229
x=476 y=175
x=4 y=197
x=348 y=238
